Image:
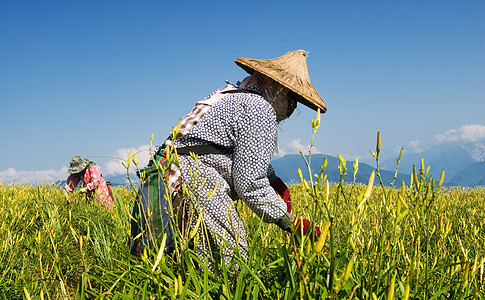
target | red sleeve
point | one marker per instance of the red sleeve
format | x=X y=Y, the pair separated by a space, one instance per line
x=71 y=182
x=281 y=189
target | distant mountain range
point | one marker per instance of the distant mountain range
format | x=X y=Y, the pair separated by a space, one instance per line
x=463 y=162
x=115 y=181
x=287 y=167
x=121 y=179
x=471 y=176
x=464 y=165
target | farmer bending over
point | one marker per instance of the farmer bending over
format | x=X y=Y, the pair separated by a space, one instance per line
x=94 y=185
x=233 y=131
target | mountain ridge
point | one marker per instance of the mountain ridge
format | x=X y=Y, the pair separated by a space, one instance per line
x=286 y=167
x=456 y=158
x=464 y=165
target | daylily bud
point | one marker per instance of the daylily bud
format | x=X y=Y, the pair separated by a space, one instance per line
x=407 y=290
x=348 y=270
x=369 y=185
x=441 y=178
x=390 y=292
x=322 y=238
x=415 y=176
x=180 y=284
x=378 y=147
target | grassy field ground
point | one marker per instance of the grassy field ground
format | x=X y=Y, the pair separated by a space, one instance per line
x=412 y=242
x=416 y=242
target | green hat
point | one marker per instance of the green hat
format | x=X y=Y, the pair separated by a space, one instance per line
x=77 y=164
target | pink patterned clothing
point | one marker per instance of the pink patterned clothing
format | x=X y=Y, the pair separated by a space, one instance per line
x=93 y=181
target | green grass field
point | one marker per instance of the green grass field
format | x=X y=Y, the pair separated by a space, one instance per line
x=411 y=242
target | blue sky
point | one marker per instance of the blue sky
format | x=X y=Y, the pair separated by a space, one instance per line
x=98 y=78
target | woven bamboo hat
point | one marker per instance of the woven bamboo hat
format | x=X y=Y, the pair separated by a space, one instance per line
x=290 y=70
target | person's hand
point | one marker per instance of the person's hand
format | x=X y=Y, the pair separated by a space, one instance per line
x=66 y=196
x=302 y=226
x=281 y=189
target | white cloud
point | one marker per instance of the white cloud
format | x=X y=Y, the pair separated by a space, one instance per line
x=11 y=175
x=115 y=165
x=294 y=146
x=415 y=146
x=112 y=167
x=466 y=133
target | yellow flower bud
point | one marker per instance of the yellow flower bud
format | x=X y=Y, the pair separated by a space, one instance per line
x=368 y=190
x=300 y=175
x=378 y=147
x=415 y=176
x=407 y=291
x=322 y=238
x=442 y=177
x=348 y=270
x=180 y=284
x=390 y=292
x=369 y=185
x=308 y=248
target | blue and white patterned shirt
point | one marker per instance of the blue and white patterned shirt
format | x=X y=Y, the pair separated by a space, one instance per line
x=245 y=122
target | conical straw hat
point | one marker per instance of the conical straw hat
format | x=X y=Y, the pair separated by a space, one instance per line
x=291 y=71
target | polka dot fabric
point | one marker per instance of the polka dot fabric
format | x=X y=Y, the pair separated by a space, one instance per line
x=245 y=122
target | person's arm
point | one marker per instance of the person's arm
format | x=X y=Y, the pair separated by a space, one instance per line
x=255 y=137
x=280 y=188
x=300 y=225
x=255 y=141
x=71 y=183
